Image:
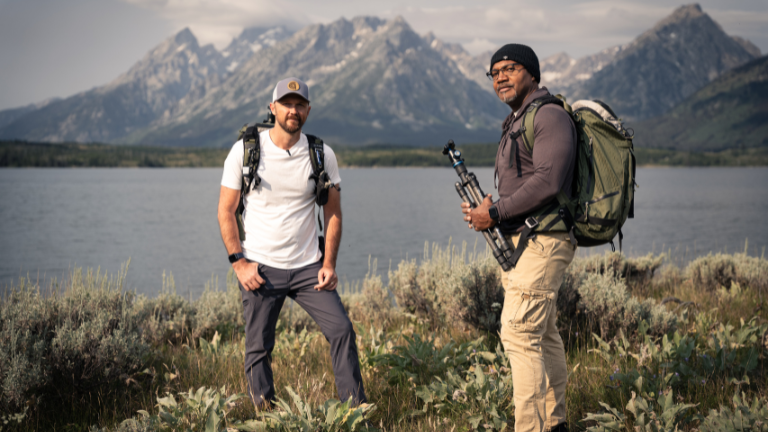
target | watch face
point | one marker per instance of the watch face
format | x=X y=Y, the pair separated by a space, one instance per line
x=493 y=213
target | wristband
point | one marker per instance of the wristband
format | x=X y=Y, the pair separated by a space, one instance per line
x=493 y=213
x=235 y=257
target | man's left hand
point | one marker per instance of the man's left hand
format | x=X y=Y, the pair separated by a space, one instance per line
x=327 y=279
x=479 y=218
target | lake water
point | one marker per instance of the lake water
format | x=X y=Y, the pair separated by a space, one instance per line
x=164 y=220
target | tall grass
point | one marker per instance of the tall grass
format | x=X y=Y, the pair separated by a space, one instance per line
x=649 y=345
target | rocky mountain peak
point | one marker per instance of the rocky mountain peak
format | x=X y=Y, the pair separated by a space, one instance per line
x=562 y=74
x=184 y=36
x=556 y=63
x=687 y=25
x=453 y=51
x=748 y=46
x=684 y=12
x=179 y=55
x=366 y=24
x=372 y=81
x=679 y=55
x=250 y=41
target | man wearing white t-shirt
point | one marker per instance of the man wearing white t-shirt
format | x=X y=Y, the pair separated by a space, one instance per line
x=280 y=255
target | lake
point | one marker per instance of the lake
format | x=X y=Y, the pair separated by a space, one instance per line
x=164 y=220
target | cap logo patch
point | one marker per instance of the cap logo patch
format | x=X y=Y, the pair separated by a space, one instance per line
x=293 y=86
x=505 y=57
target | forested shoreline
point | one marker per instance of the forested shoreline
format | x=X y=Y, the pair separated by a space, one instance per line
x=20 y=154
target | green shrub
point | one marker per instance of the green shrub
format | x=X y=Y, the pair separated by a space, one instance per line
x=569 y=316
x=167 y=317
x=752 y=272
x=714 y=271
x=613 y=263
x=83 y=340
x=472 y=293
x=408 y=293
x=637 y=272
x=373 y=303
x=609 y=307
x=451 y=286
x=218 y=311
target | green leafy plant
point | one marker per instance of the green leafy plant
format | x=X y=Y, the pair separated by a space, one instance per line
x=419 y=360
x=290 y=343
x=202 y=410
x=483 y=398
x=651 y=413
x=332 y=416
x=743 y=417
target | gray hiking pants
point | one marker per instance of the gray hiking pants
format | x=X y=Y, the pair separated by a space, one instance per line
x=262 y=307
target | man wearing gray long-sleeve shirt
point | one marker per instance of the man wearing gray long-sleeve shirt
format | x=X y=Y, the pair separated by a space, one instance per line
x=529 y=182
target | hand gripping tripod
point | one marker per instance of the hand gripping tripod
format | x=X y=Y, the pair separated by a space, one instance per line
x=500 y=248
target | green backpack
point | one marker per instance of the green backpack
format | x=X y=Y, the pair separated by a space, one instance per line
x=604 y=178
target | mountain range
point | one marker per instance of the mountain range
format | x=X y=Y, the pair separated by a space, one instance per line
x=371 y=81
x=731 y=112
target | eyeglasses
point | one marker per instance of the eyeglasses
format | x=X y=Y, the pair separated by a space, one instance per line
x=508 y=71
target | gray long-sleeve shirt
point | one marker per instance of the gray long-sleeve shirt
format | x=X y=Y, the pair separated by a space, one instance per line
x=544 y=173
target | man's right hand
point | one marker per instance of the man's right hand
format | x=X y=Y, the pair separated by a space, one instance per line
x=248 y=274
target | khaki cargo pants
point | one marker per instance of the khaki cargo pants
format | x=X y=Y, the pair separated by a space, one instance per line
x=529 y=331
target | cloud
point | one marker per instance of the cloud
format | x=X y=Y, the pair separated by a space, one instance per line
x=476 y=46
x=549 y=26
x=218 y=21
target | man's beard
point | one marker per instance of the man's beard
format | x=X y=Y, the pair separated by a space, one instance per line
x=509 y=96
x=291 y=130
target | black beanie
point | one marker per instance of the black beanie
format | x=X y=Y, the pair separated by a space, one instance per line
x=522 y=54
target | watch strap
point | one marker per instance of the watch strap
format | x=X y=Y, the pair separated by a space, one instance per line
x=235 y=257
x=493 y=213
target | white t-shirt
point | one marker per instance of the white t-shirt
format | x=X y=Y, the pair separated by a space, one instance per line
x=279 y=217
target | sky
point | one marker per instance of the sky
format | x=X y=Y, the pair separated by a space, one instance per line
x=55 y=48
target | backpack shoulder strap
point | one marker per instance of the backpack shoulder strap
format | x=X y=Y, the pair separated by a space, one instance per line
x=316 y=155
x=251 y=156
x=530 y=114
x=319 y=175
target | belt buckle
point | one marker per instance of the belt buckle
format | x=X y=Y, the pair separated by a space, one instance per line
x=531 y=223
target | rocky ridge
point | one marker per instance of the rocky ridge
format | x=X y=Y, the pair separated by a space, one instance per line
x=664 y=65
x=154 y=87
x=729 y=112
x=372 y=81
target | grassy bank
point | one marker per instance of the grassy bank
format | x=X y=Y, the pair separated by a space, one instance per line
x=24 y=154
x=649 y=346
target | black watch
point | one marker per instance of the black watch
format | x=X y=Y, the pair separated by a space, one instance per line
x=493 y=213
x=235 y=257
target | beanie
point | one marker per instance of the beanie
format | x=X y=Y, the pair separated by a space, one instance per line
x=522 y=54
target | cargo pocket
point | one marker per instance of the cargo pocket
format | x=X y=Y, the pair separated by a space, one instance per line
x=531 y=315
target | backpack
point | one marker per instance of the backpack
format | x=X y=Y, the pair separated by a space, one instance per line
x=251 y=180
x=604 y=178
